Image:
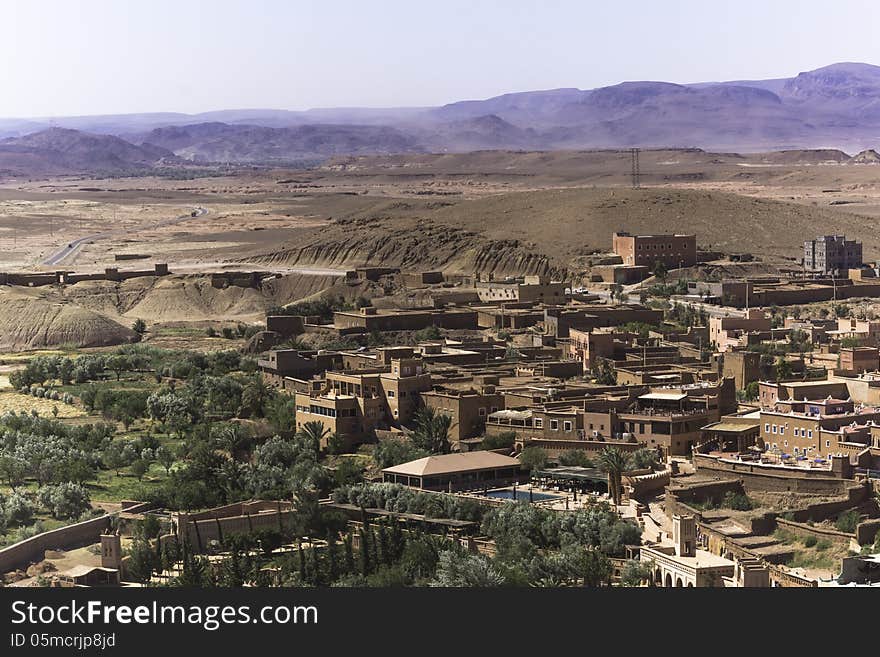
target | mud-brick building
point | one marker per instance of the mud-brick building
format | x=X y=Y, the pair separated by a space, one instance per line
x=469 y=408
x=674 y=251
x=280 y=364
x=526 y=289
x=354 y=404
x=371 y=319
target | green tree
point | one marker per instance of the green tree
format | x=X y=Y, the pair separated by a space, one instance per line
x=118 y=363
x=280 y=411
x=644 y=457
x=314 y=433
x=139 y=326
x=504 y=440
x=142 y=562
x=783 y=369
x=604 y=373
x=393 y=451
x=139 y=468
x=612 y=461
x=255 y=397
x=457 y=568
x=575 y=457
x=533 y=458
x=635 y=572
x=431 y=432
x=659 y=270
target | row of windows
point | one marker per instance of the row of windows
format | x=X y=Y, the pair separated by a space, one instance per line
x=554 y=424
x=655 y=247
x=780 y=429
x=785 y=444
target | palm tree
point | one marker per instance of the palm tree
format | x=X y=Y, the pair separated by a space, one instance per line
x=314 y=433
x=432 y=431
x=613 y=461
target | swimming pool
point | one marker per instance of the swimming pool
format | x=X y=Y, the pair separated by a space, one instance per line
x=521 y=495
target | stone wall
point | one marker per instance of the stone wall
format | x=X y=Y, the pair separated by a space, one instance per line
x=32 y=549
x=866 y=531
x=683 y=495
x=812 y=530
x=855 y=495
x=240 y=518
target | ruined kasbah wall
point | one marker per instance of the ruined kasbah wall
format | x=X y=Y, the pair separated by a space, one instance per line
x=813 y=530
x=821 y=482
x=33 y=549
x=866 y=531
x=855 y=495
x=679 y=497
x=201 y=532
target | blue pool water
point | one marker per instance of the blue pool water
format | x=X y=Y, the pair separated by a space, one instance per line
x=521 y=495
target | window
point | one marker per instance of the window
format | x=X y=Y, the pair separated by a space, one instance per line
x=554 y=424
x=641 y=427
x=539 y=423
x=827 y=443
x=810 y=433
x=390 y=393
x=494 y=409
x=774 y=428
x=781 y=430
x=482 y=411
x=566 y=426
x=785 y=443
x=767 y=428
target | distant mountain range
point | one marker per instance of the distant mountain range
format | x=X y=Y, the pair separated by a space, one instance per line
x=61 y=150
x=837 y=106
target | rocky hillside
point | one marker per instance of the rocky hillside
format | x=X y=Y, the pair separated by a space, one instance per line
x=99 y=313
x=61 y=151
x=556 y=230
x=31 y=321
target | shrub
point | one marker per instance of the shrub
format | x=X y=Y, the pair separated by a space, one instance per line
x=810 y=540
x=575 y=457
x=499 y=441
x=846 y=522
x=736 y=501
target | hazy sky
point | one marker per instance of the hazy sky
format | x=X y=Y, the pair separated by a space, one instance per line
x=66 y=57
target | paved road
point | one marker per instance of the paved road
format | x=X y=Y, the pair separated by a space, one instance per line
x=75 y=245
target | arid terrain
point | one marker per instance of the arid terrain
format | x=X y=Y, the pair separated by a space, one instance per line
x=508 y=212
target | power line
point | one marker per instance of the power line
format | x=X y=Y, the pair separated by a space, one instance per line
x=636 y=173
